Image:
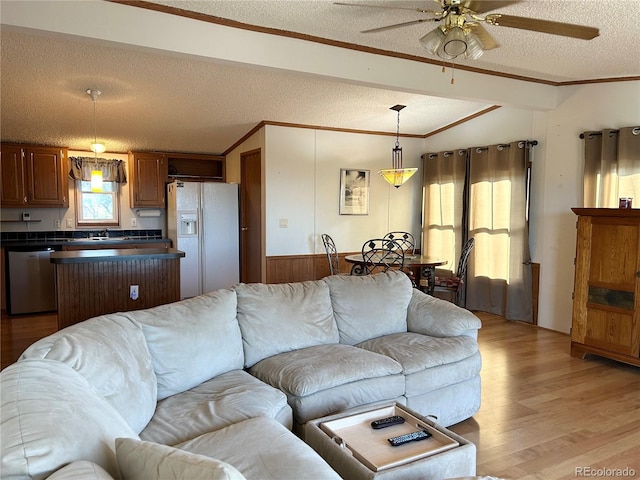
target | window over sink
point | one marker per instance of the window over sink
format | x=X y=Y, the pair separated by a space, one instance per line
x=97 y=208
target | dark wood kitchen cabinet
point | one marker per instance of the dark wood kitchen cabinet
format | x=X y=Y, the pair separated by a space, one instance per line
x=33 y=176
x=147 y=179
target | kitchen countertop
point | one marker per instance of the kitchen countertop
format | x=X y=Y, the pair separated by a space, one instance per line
x=114 y=255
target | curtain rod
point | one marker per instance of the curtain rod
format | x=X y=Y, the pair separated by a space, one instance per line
x=635 y=131
x=501 y=146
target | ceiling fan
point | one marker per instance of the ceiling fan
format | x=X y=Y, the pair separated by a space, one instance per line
x=461 y=32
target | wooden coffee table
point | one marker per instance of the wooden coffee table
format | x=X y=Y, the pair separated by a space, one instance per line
x=357 y=451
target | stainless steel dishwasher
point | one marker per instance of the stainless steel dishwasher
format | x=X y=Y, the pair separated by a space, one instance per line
x=31 y=283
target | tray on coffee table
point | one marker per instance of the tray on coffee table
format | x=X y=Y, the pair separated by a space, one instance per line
x=371 y=446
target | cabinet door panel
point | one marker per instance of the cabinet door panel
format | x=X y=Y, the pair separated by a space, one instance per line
x=614 y=254
x=610 y=330
x=148 y=176
x=45 y=177
x=12 y=172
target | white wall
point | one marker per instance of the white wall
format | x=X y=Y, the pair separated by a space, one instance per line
x=586 y=107
x=302 y=169
x=49 y=216
x=557 y=174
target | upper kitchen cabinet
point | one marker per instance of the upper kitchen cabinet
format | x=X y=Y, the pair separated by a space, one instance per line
x=33 y=176
x=190 y=166
x=147 y=178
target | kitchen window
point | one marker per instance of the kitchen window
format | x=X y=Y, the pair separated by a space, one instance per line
x=97 y=208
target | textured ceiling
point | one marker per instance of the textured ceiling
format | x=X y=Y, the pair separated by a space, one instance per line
x=157 y=99
x=521 y=52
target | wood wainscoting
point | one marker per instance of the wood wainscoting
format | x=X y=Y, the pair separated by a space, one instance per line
x=86 y=290
x=300 y=268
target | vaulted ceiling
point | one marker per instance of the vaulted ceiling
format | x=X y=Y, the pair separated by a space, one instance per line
x=196 y=76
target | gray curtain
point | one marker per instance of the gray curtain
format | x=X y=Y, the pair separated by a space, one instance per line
x=611 y=167
x=485 y=190
x=112 y=170
x=499 y=277
x=444 y=180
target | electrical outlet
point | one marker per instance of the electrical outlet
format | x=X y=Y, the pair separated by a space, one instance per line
x=133 y=292
x=284 y=223
x=56 y=223
x=134 y=222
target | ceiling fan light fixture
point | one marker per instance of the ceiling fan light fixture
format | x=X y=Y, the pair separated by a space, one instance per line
x=432 y=40
x=475 y=48
x=454 y=43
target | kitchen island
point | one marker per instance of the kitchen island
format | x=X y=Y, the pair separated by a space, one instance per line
x=90 y=283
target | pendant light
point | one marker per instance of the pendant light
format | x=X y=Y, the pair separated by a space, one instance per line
x=96 y=175
x=397 y=175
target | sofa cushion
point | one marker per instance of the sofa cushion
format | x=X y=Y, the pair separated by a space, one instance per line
x=353 y=376
x=151 y=461
x=192 y=340
x=309 y=370
x=51 y=416
x=111 y=353
x=262 y=449
x=369 y=306
x=81 y=470
x=276 y=318
x=434 y=378
x=223 y=400
x=416 y=352
x=438 y=318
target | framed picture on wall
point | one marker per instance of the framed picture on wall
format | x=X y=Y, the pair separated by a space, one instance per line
x=354 y=191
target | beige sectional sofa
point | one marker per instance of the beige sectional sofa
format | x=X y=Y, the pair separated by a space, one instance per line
x=216 y=382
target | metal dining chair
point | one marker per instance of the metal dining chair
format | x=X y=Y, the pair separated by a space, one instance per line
x=382 y=254
x=332 y=254
x=454 y=285
x=406 y=241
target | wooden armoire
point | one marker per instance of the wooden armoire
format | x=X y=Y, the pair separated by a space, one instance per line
x=606 y=296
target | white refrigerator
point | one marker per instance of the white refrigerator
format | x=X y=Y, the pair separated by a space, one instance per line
x=202 y=221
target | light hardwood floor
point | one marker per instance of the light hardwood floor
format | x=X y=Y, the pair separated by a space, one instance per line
x=545 y=414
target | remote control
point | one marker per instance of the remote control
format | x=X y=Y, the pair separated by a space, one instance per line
x=408 y=437
x=387 y=422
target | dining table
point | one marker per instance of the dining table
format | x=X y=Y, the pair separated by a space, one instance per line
x=422 y=266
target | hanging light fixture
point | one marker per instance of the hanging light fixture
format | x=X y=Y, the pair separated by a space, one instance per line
x=453 y=39
x=397 y=175
x=95 y=146
x=96 y=175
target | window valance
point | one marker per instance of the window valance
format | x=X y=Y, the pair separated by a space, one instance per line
x=112 y=170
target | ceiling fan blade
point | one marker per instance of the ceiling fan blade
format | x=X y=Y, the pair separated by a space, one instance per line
x=420 y=10
x=544 y=26
x=399 y=25
x=483 y=6
x=488 y=42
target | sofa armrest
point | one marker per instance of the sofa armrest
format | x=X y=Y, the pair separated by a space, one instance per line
x=438 y=318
